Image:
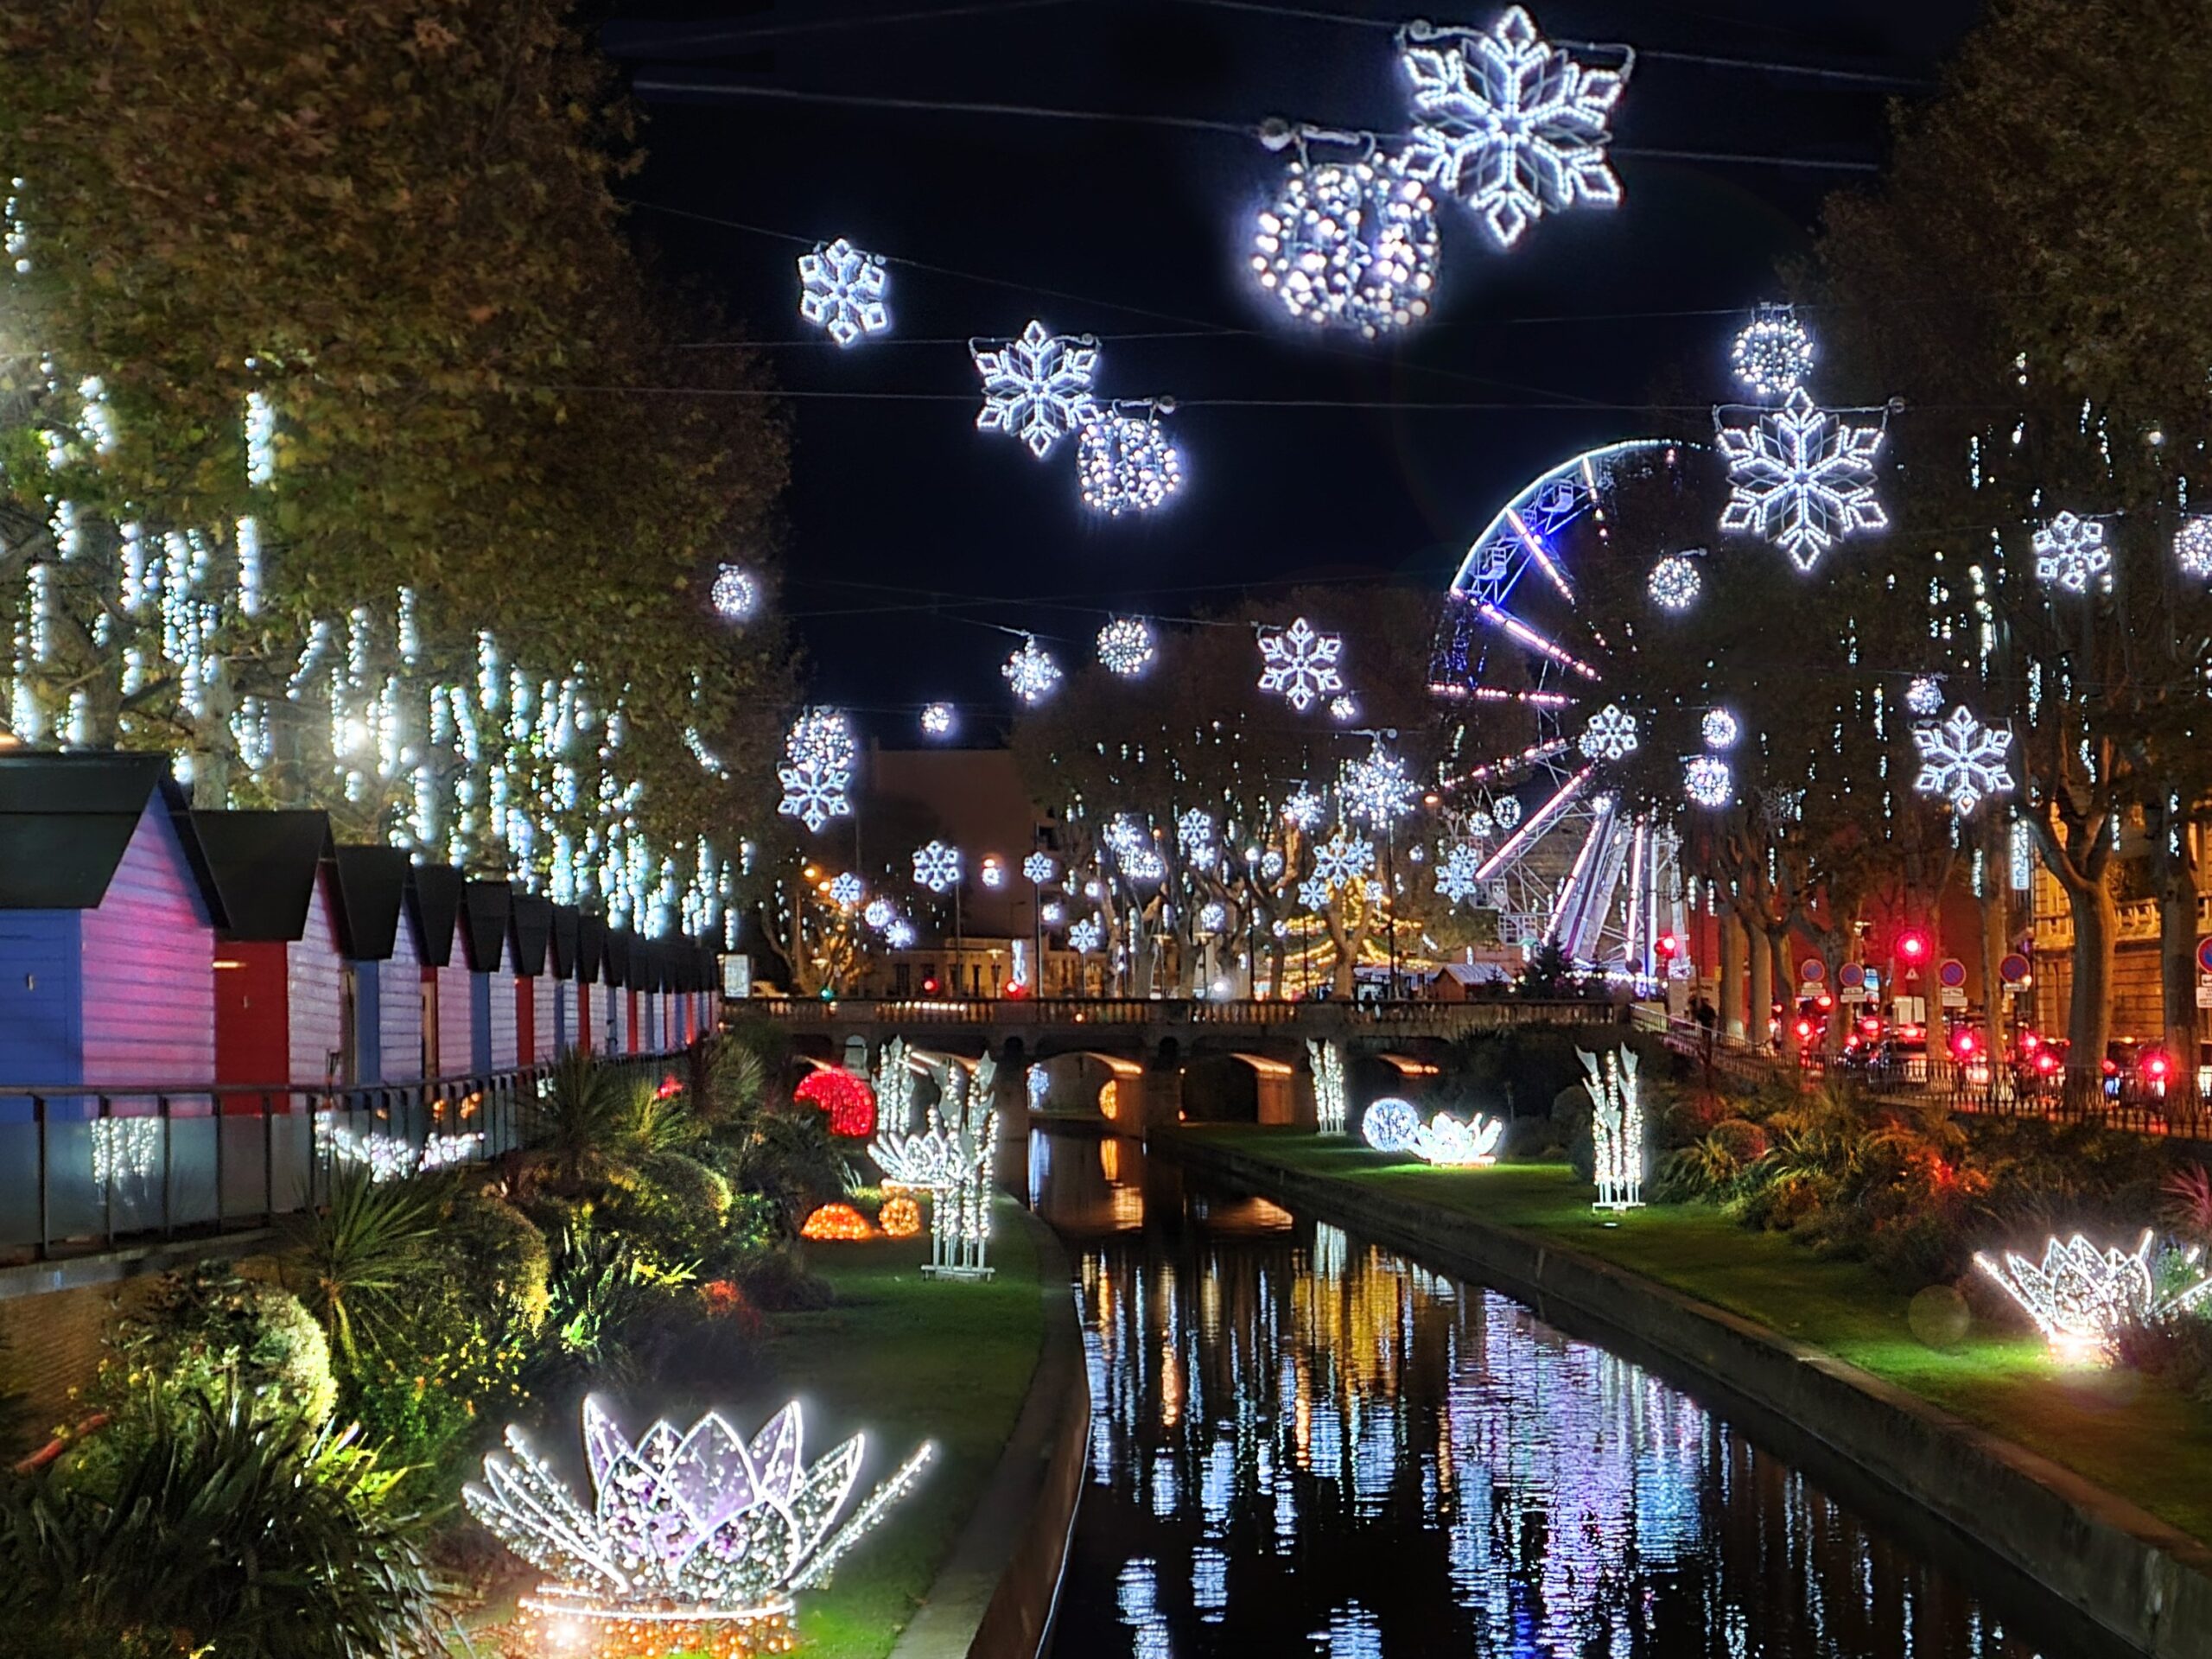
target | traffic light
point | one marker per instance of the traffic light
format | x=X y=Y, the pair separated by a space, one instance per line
x=1912 y=945
x=1669 y=947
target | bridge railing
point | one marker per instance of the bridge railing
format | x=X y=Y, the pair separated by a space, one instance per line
x=1146 y=1011
x=84 y=1169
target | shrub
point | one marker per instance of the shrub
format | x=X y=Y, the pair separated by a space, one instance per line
x=206 y=1331
x=361 y=1261
x=501 y=1257
x=777 y=1280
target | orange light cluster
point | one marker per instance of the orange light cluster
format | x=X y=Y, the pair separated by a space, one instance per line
x=837 y=1221
x=1110 y=1100
x=544 y=1635
x=847 y=1099
x=900 y=1217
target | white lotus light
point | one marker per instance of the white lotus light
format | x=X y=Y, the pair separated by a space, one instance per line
x=692 y=1541
x=1446 y=1142
x=1390 y=1124
x=1615 y=1129
x=2081 y=1296
x=950 y=1159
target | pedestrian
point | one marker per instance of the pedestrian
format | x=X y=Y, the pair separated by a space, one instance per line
x=1707 y=1018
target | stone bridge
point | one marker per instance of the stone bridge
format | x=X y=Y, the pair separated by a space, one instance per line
x=1166 y=1058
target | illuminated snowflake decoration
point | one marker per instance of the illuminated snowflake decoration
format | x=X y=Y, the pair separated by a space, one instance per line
x=1674 y=583
x=1194 y=834
x=1506 y=810
x=814 y=793
x=2193 y=546
x=1271 y=864
x=1719 y=729
x=692 y=1540
x=1350 y=245
x=1707 y=781
x=1125 y=462
x=1446 y=1142
x=1125 y=646
x=1212 y=918
x=2070 y=553
x=879 y=913
x=1053 y=914
x=1800 y=478
x=1773 y=355
x=937 y=720
x=847 y=891
x=1086 y=936
x=1143 y=866
x=2082 y=1297
x=936 y=866
x=1343 y=859
x=1510 y=123
x=822 y=737
x=1039 y=867
x=1303 y=810
x=734 y=595
x=1924 y=696
x=1031 y=672
x=1390 y=1124
x=1458 y=876
x=1342 y=708
x=1314 y=893
x=1376 y=790
x=1036 y=388
x=1124 y=836
x=842 y=291
x=1611 y=734
x=1962 y=761
x=1300 y=663
x=899 y=936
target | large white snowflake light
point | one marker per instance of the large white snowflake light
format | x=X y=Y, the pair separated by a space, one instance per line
x=2070 y=553
x=1125 y=646
x=936 y=866
x=1510 y=123
x=690 y=1541
x=1300 y=663
x=2193 y=546
x=1124 y=460
x=1707 y=781
x=1774 y=354
x=1086 y=936
x=1674 y=583
x=1376 y=790
x=1343 y=859
x=1031 y=672
x=2082 y=1297
x=1194 y=835
x=1456 y=872
x=734 y=593
x=847 y=891
x=842 y=291
x=1610 y=735
x=1802 y=477
x=1039 y=867
x=1036 y=388
x=1962 y=761
x=814 y=793
x=1303 y=810
x=1349 y=243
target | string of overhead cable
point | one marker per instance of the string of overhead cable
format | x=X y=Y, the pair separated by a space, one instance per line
x=749 y=33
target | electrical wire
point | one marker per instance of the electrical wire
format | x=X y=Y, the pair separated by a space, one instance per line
x=833 y=25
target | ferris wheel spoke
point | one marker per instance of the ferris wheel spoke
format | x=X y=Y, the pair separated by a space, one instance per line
x=1535 y=642
x=1536 y=823
x=1531 y=756
x=1538 y=551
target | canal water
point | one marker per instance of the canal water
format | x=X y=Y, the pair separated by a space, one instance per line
x=1304 y=1445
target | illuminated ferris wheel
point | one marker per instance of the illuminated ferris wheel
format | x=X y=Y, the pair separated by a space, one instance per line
x=1559 y=858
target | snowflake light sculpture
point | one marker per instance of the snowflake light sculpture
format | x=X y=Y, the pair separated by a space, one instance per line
x=1349 y=243
x=1124 y=460
x=1300 y=663
x=1327 y=1063
x=1506 y=811
x=1446 y=1142
x=2081 y=1298
x=734 y=595
x=901 y=934
x=1086 y=936
x=1194 y=834
x=1031 y=672
x=1774 y=354
x=1036 y=388
x=1213 y=917
x=1962 y=761
x=1617 y=1126
x=1674 y=583
x=2193 y=546
x=1271 y=864
x=1719 y=729
x=691 y=1540
x=1456 y=872
x=1125 y=646
x=1389 y=1124
x=1303 y=810
x=950 y=1159
x=1039 y=867
x=937 y=720
x=1708 y=782
x=1924 y=696
x=1124 y=835
x=814 y=793
x=1802 y=477
x=1376 y=790
x=2070 y=553
x=1053 y=914
x=1611 y=734
x=1343 y=859
x=1510 y=123
x=847 y=891
x=879 y=913
x=1342 y=708
x=936 y=866
x=1314 y=893
x=842 y=291
x=1142 y=865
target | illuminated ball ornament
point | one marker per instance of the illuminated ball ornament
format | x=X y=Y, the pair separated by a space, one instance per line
x=2193 y=546
x=1125 y=646
x=1924 y=696
x=1611 y=734
x=842 y=291
x=1390 y=1124
x=734 y=595
x=1674 y=583
x=1719 y=729
x=1036 y=388
x=900 y=1217
x=1031 y=672
x=1774 y=354
x=1124 y=460
x=1349 y=243
x=837 y=1222
x=1505 y=812
x=938 y=720
x=1707 y=782
x=848 y=1100
x=879 y=913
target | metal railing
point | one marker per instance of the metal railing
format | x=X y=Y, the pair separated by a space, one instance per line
x=89 y=1169
x=1155 y=1011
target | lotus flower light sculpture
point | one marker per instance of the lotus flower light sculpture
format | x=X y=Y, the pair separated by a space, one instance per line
x=1615 y=1129
x=2080 y=1297
x=950 y=1159
x=693 y=1542
x=1446 y=1141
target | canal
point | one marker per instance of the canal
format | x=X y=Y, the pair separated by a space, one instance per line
x=1304 y=1445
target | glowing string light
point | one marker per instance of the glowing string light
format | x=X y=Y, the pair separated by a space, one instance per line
x=1390 y=1124
x=1616 y=1127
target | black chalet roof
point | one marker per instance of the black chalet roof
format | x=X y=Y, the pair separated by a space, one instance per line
x=530 y=929
x=433 y=898
x=65 y=821
x=620 y=957
x=372 y=881
x=264 y=865
x=484 y=924
x=562 y=941
x=591 y=945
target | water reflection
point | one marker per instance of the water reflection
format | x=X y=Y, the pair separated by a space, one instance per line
x=1303 y=1445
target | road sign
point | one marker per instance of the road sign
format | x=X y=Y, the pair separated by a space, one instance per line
x=1953 y=998
x=1952 y=974
x=1812 y=970
x=2204 y=953
x=2014 y=969
x=1851 y=976
x=1854 y=994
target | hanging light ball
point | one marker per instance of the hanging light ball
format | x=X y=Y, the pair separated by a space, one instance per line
x=937 y=720
x=1125 y=646
x=1505 y=812
x=1674 y=583
x=1707 y=781
x=1719 y=729
x=1924 y=696
x=1125 y=462
x=734 y=595
x=1773 y=354
x=1350 y=245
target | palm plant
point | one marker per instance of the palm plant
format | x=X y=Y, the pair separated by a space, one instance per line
x=356 y=1259
x=225 y=1530
x=581 y=1129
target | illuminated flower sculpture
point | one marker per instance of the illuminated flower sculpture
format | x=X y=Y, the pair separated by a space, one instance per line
x=1615 y=1129
x=696 y=1541
x=848 y=1100
x=1446 y=1141
x=2080 y=1297
x=950 y=1159
x=1327 y=1060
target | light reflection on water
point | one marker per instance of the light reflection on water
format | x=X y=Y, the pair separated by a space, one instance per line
x=1302 y=1444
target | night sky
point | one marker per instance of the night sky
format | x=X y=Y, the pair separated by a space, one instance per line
x=902 y=521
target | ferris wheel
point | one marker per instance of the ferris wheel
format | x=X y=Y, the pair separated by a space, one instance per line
x=1560 y=859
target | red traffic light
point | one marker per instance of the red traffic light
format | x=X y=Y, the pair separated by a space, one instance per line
x=1912 y=945
x=929 y=985
x=2156 y=1065
x=1964 y=1042
x=1669 y=947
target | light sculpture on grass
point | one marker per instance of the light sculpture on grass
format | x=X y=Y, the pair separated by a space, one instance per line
x=950 y=1158
x=1327 y=1060
x=1349 y=243
x=842 y=291
x=1300 y=663
x=1036 y=388
x=2081 y=1298
x=1390 y=1124
x=696 y=1541
x=1446 y=1142
x=1616 y=1127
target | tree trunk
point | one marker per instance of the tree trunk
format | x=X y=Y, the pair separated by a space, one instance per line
x=1996 y=924
x=1758 y=1028
x=1731 y=974
x=2089 y=1025
x=1777 y=943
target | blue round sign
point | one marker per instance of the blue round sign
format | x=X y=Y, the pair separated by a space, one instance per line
x=2204 y=953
